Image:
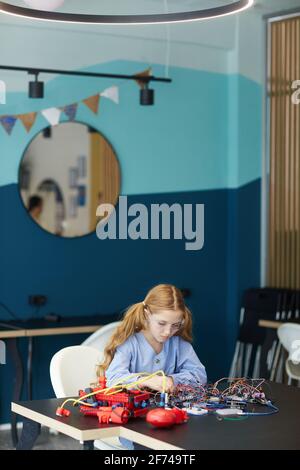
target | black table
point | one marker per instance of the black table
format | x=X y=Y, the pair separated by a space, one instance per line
x=10 y=331
x=278 y=431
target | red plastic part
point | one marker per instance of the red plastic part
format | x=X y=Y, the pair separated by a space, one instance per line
x=108 y=415
x=62 y=412
x=119 y=415
x=103 y=417
x=161 y=418
x=180 y=415
x=130 y=401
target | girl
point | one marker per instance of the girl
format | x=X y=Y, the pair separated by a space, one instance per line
x=155 y=334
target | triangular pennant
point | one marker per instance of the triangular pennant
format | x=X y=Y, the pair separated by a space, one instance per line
x=111 y=93
x=70 y=110
x=52 y=115
x=8 y=123
x=27 y=119
x=145 y=73
x=92 y=103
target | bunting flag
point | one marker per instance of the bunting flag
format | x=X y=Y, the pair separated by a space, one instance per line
x=111 y=93
x=8 y=123
x=145 y=73
x=70 y=110
x=27 y=119
x=52 y=115
x=92 y=103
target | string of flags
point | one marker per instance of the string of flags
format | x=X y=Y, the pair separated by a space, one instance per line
x=52 y=115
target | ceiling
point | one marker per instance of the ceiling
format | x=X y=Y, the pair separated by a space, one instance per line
x=202 y=45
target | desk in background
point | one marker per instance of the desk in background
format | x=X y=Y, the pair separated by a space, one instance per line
x=36 y=327
x=271 y=324
x=277 y=431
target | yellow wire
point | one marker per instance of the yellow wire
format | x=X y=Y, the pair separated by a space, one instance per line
x=116 y=385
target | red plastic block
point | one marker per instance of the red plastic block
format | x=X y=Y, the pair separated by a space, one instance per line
x=62 y=412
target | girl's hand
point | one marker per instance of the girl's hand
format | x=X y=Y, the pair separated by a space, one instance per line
x=156 y=383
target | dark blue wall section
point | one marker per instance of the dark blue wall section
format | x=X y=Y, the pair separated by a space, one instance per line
x=243 y=251
x=86 y=275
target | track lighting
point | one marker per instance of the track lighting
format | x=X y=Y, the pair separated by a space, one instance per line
x=36 y=88
x=146 y=95
x=47 y=132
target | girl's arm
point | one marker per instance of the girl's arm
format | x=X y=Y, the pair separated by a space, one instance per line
x=156 y=383
x=189 y=369
x=119 y=367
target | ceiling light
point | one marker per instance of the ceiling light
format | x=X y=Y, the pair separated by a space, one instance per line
x=179 y=17
x=146 y=96
x=36 y=88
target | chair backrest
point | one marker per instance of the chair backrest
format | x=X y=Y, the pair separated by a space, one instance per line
x=73 y=368
x=100 y=338
x=288 y=333
x=289 y=336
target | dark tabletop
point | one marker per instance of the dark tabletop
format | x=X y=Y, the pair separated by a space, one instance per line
x=278 y=431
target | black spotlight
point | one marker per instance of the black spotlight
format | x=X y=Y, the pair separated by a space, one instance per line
x=146 y=96
x=36 y=88
x=47 y=132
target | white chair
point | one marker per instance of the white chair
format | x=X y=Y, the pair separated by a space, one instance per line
x=289 y=337
x=100 y=338
x=74 y=368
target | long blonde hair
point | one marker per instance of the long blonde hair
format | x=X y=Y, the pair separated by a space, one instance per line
x=160 y=297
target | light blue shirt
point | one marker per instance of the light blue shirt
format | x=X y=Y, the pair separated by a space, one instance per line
x=177 y=359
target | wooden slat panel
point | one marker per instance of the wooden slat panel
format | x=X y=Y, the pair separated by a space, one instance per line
x=284 y=197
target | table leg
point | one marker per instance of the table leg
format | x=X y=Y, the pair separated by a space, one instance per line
x=88 y=445
x=12 y=348
x=30 y=433
x=29 y=368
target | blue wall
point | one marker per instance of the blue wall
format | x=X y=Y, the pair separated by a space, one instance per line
x=181 y=150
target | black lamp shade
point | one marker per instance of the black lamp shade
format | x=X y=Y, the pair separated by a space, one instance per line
x=47 y=132
x=146 y=97
x=36 y=89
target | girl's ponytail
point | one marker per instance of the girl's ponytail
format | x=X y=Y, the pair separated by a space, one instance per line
x=133 y=321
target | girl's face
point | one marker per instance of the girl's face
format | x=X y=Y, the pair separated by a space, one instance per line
x=164 y=323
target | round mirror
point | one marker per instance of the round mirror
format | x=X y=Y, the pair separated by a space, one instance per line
x=65 y=173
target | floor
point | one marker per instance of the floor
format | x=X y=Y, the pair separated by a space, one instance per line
x=45 y=441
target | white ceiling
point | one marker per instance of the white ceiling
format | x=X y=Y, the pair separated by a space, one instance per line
x=214 y=33
x=207 y=45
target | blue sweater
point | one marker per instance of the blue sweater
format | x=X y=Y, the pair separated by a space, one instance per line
x=177 y=359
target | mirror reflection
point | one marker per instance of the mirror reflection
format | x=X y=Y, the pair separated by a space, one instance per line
x=66 y=172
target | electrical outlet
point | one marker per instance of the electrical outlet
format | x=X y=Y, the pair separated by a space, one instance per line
x=37 y=300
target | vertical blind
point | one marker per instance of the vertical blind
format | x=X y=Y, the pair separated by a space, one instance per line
x=284 y=146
